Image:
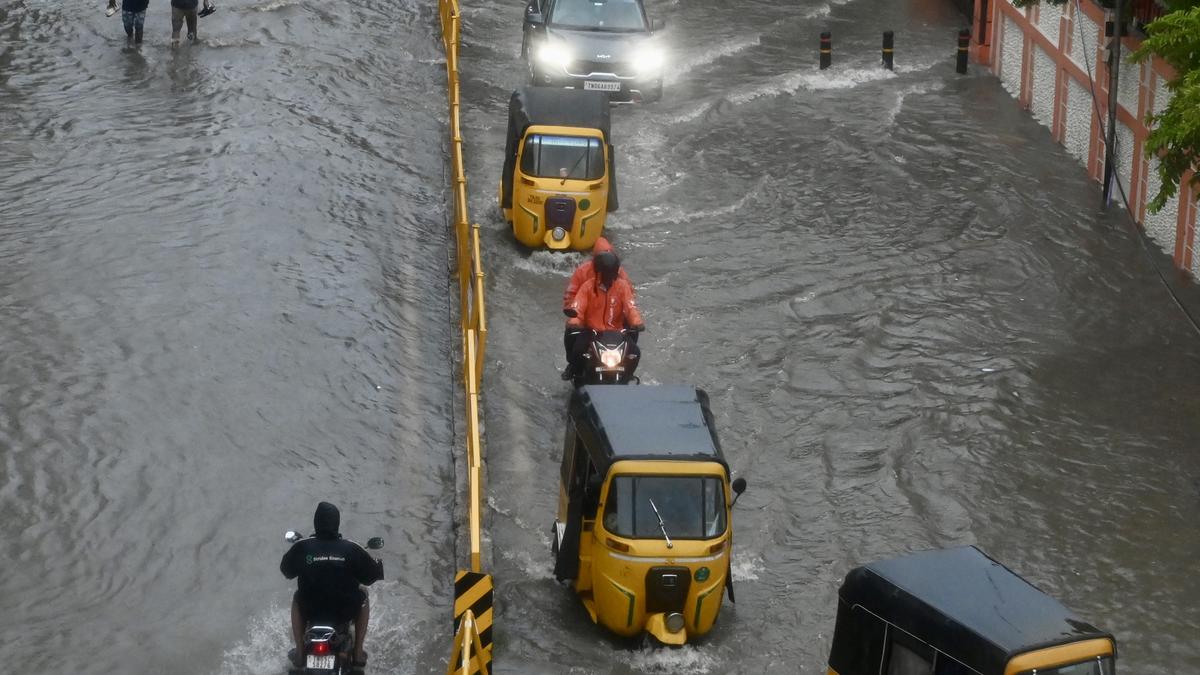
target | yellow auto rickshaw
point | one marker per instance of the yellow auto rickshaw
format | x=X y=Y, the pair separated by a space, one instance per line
x=643 y=531
x=958 y=612
x=558 y=184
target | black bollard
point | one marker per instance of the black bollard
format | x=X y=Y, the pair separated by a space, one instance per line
x=826 y=49
x=888 y=44
x=964 y=44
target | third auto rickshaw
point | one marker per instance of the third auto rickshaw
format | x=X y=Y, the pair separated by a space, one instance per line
x=958 y=612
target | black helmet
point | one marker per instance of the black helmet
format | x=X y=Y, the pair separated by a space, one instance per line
x=326 y=521
x=607 y=265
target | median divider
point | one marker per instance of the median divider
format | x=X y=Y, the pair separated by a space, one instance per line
x=471 y=651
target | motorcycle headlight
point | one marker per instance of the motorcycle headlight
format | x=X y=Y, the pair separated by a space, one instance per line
x=553 y=54
x=649 y=60
x=611 y=358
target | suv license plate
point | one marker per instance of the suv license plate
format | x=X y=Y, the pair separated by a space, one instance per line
x=591 y=85
x=320 y=662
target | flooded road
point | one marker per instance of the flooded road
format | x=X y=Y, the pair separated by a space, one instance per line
x=915 y=326
x=223 y=297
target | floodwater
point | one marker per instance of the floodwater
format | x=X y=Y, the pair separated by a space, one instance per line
x=224 y=296
x=916 y=328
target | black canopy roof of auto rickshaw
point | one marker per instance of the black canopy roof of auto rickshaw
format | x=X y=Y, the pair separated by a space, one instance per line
x=659 y=422
x=966 y=605
x=560 y=108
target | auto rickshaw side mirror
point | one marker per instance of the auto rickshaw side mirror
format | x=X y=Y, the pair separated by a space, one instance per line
x=375 y=543
x=739 y=486
x=292 y=536
x=657 y=25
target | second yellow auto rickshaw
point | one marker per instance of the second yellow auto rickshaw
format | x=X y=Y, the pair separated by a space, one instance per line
x=558 y=184
x=644 y=530
x=958 y=612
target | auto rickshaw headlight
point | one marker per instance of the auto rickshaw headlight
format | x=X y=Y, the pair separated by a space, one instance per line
x=674 y=622
x=553 y=54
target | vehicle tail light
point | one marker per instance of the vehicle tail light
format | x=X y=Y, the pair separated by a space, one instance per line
x=320 y=648
x=717 y=547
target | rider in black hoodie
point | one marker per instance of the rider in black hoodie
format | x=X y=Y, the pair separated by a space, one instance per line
x=330 y=570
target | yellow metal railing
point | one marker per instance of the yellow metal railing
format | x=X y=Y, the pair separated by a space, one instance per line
x=475 y=635
x=466 y=658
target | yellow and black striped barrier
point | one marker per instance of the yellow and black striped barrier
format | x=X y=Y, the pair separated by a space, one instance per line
x=473 y=594
x=473 y=589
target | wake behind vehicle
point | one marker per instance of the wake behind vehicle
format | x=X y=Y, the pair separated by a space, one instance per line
x=958 y=612
x=596 y=45
x=643 y=530
x=328 y=645
x=559 y=182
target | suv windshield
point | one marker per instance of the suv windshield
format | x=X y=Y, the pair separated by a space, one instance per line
x=615 y=15
x=1098 y=666
x=562 y=157
x=692 y=507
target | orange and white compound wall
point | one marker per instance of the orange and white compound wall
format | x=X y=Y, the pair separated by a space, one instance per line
x=1042 y=55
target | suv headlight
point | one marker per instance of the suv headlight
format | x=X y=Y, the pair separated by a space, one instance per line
x=648 y=60
x=553 y=54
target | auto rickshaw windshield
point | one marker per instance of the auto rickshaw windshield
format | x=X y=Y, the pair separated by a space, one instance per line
x=572 y=157
x=690 y=507
x=1097 y=666
x=616 y=15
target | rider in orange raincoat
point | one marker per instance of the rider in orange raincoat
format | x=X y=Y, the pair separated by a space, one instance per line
x=604 y=303
x=585 y=271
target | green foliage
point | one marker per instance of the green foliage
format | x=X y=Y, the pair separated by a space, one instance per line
x=1175 y=135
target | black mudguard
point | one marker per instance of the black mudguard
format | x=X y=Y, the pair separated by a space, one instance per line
x=566 y=566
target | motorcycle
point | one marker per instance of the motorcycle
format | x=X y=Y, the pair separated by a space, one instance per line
x=609 y=359
x=328 y=646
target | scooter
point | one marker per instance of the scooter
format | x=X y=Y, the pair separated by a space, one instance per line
x=608 y=360
x=328 y=646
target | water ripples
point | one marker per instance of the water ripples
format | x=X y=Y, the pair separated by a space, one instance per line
x=224 y=298
x=915 y=329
